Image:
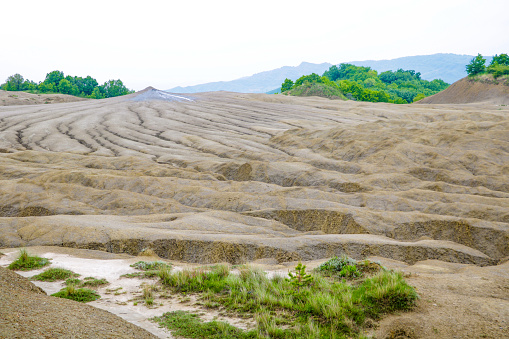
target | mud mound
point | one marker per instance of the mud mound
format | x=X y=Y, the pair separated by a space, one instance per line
x=238 y=177
x=466 y=91
x=27 y=312
x=8 y=98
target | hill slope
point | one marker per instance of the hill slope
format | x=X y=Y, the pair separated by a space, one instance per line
x=239 y=177
x=467 y=91
x=448 y=67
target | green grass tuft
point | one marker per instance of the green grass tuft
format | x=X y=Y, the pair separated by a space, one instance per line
x=78 y=294
x=189 y=325
x=93 y=282
x=54 y=274
x=26 y=262
x=150 y=265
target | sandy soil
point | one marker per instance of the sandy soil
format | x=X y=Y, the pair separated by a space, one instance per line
x=467 y=91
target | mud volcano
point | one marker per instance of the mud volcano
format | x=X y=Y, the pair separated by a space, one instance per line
x=239 y=177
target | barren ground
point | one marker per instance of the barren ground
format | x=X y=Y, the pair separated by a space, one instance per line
x=244 y=177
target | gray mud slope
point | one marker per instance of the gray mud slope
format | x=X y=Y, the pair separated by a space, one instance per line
x=237 y=177
x=27 y=312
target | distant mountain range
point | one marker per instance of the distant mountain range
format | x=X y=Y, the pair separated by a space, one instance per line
x=448 y=67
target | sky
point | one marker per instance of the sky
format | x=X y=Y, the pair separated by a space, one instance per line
x=179 y=43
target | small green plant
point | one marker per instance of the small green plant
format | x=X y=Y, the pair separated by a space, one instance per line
x=54 y=274
x=350 y=271
x=150 y=265
x=26 y=262
x=335 y=265
x=299 y=279
x=93 y=282
x=72 y=281
x=78 y=294
x=189 y=325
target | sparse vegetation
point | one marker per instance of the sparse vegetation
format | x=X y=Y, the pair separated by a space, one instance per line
x=94 y=282
x=54 y=274
x=78 y=294
x=150 y=265
x=88 y=281
x=304 y=305
x=189 y=325
x=26 y=262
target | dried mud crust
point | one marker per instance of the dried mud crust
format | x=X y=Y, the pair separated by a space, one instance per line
x=27 y=312
x=238 y=177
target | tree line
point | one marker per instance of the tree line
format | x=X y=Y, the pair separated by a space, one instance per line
x=498 y=66
x=365 y=84
x=56 y=82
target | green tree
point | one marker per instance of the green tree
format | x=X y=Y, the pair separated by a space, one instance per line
x=114 y=88
x=502 y=59
x=96 y=93
x=54 y=78
x=286 y=85
x=65 y=86
x=476 y=65
x=14 y=83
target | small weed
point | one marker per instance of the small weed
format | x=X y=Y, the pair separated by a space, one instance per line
x=150 y=265
x=72 y=281
x=26 y=262
x=141 y=275
x=77 y=294
x=93 y=282
x=54 y=274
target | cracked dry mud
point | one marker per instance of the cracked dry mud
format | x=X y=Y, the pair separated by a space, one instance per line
x=241 y=177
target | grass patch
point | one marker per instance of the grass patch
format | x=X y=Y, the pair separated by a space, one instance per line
x=93 y=282
x=332 y=305
x=141 y=275
x=189 y=325
x=54 y=274
x=26 y=262
x=88 y=281
x=78 y=294
x=150 y=265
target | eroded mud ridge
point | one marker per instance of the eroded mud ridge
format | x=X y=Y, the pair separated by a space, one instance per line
x=237 y=177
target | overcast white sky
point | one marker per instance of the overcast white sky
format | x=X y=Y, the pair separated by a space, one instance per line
x=170 y=43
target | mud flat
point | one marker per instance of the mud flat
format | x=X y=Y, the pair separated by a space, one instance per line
x=242 y=177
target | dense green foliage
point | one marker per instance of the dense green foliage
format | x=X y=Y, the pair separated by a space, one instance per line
x=301 y=306
x=150 y=265
x=498 y=66
x=476 y=65
x=365 y=84
x=56 y=82
x=26 y=262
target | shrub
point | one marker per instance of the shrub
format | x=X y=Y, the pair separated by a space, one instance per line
x=26 y=262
